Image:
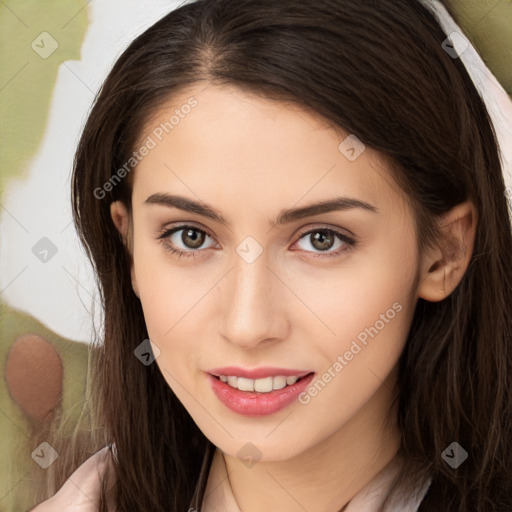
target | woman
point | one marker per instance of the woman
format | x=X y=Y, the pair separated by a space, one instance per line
x=301 y=205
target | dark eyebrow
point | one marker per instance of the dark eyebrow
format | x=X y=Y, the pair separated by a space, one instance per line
x=284 y=217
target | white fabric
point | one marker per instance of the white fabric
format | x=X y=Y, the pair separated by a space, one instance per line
x=499 y=104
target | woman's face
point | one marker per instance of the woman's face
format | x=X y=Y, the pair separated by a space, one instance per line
x=263 y=282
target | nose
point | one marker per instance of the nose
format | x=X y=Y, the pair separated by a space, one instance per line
x=254 y=304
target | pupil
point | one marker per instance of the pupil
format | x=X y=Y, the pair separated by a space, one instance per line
x=196 y=241
x=325 y=238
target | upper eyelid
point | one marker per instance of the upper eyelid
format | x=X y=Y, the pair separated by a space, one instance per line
x=300 y=234
x=179 y=227
x=320 y=225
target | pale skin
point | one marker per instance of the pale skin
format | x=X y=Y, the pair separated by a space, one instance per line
x=249 y=158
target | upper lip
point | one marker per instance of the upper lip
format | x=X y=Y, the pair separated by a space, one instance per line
x=257 y=373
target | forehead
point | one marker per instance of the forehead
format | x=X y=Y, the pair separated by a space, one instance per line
x=229 y=147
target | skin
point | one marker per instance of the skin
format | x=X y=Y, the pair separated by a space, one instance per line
x=249 y=158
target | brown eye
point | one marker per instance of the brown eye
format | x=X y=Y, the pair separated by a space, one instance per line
x=184 y=240
x=193 y=238
x=322 y=240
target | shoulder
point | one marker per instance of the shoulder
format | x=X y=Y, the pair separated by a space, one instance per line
x=81 y=491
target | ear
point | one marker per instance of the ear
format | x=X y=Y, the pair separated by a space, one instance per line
x=444 y=266
x=120 y=217
x=121 y=220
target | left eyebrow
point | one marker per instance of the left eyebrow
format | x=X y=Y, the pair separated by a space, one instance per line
x=284 y=217
x=330 y=205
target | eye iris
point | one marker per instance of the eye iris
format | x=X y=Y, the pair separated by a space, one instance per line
x=322 y=240
x=197 y=240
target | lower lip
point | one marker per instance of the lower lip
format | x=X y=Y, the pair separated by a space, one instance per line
x=253 y=403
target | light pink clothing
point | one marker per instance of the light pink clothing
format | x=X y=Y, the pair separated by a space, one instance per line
x=219 y=496
x=80 y=493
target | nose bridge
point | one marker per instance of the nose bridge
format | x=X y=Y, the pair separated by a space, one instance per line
x=252 y=311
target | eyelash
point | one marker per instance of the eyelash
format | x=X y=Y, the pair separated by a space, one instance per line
x=349 y=242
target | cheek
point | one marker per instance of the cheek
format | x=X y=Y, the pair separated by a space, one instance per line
x=369 y=313
x=173 y=300
x=366 y=307
x=161 y=294
x=170 y=305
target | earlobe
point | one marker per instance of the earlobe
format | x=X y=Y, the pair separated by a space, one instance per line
x=121 y=220
x=444 y=266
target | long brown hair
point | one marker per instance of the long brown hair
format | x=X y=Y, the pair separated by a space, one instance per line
x=379 y=71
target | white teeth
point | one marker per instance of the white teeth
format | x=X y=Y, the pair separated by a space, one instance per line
x=279 y=382
x=245 y=384
x=264 y=385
